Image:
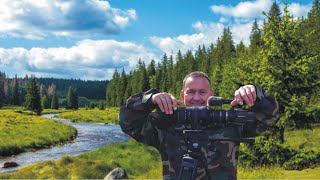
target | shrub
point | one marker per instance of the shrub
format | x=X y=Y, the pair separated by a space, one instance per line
x=265 y=152
x=302 y=160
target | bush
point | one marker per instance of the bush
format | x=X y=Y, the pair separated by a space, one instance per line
x=302 y=160
x=265 y=152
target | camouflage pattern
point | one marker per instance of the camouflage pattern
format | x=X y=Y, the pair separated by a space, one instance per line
x=217 y=159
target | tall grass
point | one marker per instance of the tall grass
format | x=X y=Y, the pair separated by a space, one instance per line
x=109 y=115
x=20 y=132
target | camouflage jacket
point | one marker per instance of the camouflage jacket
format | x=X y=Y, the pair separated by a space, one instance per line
x=218 y=159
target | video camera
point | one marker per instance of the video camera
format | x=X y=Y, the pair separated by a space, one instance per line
x=206 y=116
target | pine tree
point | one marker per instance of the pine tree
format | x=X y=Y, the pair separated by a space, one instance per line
x=2 y=95
x=33 y=96
x=224 y=57
x=128 y=90
x=286 y=71
x=255 y=37
x=101 y=105
x=45 y=103
x=309 y=30
x=54 y=102
x=170 y=78
x=151 y=72
x=111 y=90
x=15 y=92
x=72 y=98
x=164 y=74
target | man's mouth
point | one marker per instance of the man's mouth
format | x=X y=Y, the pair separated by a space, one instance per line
x=197 y=104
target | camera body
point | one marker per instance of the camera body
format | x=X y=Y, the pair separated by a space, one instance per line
x=206 y=116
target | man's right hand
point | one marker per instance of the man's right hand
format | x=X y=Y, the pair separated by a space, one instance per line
x=166 y=102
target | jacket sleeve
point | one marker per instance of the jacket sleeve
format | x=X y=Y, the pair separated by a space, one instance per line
x=134 y=118
x=266 y=109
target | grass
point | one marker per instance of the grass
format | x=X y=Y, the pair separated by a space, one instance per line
x=54 y=111
x=20 y=132
x=96 y=164
x=109 y=115
x=304 y=139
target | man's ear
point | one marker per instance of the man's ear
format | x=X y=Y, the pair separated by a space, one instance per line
x=212 y=92
x=182 y=94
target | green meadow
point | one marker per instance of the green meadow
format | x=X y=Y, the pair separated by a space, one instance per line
x=20 y=132
x=109 y=115
x=142 y=162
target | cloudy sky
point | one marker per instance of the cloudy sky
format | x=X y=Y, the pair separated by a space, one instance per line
x=89 y=39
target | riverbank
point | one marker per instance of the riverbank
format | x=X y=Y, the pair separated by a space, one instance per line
x=96 y=164
x=22 y=132
x=90 y=137
x=107 y=116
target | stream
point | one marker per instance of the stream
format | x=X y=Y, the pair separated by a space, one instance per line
x=90 y=137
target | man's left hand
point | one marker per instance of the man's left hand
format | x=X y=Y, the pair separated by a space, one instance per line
x=245 y=94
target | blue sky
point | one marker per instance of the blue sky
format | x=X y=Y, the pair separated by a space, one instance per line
x=89 y=39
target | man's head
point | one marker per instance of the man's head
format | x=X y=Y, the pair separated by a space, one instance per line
x=196 y=89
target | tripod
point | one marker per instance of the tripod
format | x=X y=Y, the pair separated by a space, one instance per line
x=194 y=141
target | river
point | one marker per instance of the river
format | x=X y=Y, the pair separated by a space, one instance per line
x=90 y=137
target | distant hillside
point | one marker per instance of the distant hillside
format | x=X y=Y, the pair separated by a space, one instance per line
x=13 y=89
x=89 y=89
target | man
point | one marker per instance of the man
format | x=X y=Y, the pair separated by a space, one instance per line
x=219 y=157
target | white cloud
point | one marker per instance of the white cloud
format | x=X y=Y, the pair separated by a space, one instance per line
x=253 y=9
x=88 y=59
x=38 y=18
x=207 y=34
x=298 y=10
x=247 y=9
x=241 y=32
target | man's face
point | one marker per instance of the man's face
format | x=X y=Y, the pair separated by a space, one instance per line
x=196 y=91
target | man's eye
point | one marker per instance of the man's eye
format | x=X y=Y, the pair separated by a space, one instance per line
x=190 y=92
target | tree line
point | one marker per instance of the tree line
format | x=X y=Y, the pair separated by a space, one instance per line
x=13 y=90
x=283 y=58
x=32 y=96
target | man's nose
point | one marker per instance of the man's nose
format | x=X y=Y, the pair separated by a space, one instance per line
x=196 y=96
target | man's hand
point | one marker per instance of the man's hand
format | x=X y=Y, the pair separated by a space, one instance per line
x=246 y=94
x=166 y=102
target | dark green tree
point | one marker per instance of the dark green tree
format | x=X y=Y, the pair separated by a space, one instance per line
x=309 y=31
x=15 y=92
x=164 y=74
x=101 y=105
x=33 y=101
x=286 y=71
x=224 y=57
x=111 y=89
x=255 y=37
x=2 y=96
x=54 y=102
x=45 y=103
x=72 y=98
